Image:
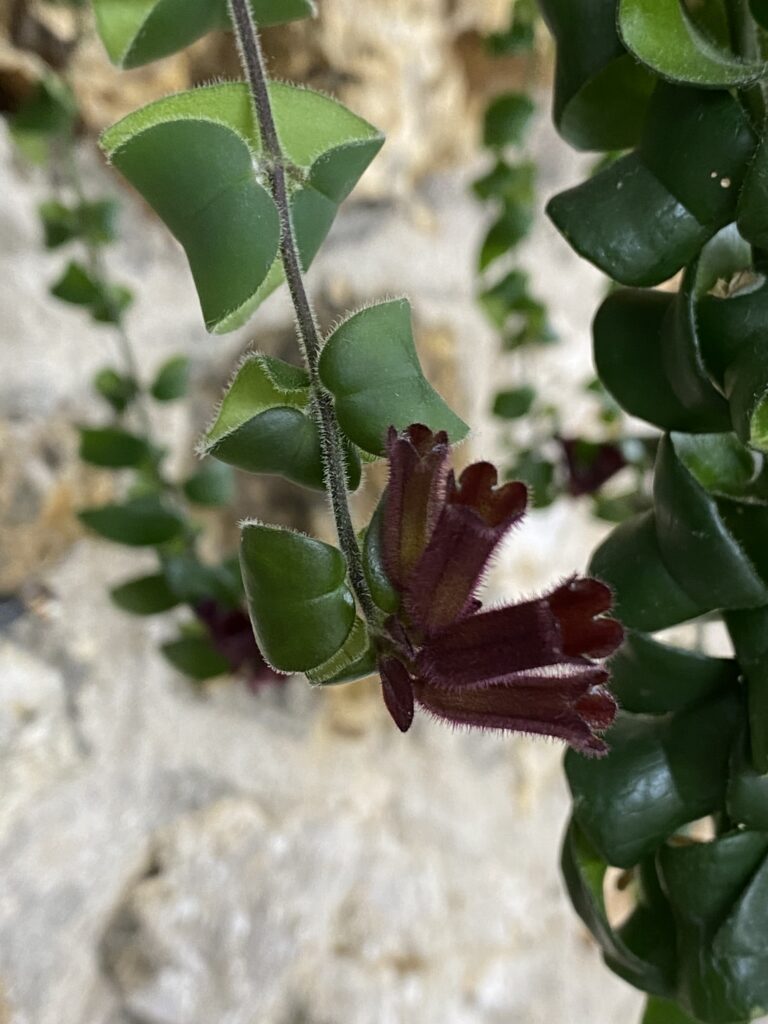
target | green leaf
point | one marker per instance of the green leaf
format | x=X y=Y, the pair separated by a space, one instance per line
x=78 y=287
x=196 y=158
x=136 y=32
x=647 y=596
x=713 y=546
x=511 y=185
x=507 y=120
x=301 y=606
x=115 y=388
x=140 y=522
x=539 y=474
x=747 y=797
x=264 y=425
x=112 y=447
x=648 y=964
x=506 y=233
x=660 y=774
x=601 y=93
x=661 y=1011
x=172 y=380
x=213 y=484
x=511 y=405
x=749 y=634
x=44 y=119
x=147 y=595
x=93 y=222
x=663 y=37
x=196 y=657
x=192 y=581
x=355 y=660
x=649 y=677
x=370 y=366
x=719 y=895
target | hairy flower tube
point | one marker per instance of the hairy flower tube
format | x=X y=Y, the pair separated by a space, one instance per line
x=528 y=667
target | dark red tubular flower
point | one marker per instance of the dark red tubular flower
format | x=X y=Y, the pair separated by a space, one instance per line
x=590 y=464
x=527 y=667
x=231 y=633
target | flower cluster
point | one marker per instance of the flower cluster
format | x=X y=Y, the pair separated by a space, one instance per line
x=529 y=667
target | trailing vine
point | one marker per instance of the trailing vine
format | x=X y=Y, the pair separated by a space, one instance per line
x=553 y=463
x=681 y=86
x=249 y=177
x=153 y=509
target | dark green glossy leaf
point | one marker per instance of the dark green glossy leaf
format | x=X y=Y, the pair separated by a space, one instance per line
x=136 y=32
x=625 y=222
x=662 y=36
x=647 y=596
x=140 y=522
x=629 y=357
x=651 y=968
x=147 y=595
x=511 y=405
x=749 y=633
x=301 y=606
x=600 y=92
x=507 y=119
x=370 y=366
x=649 y=677
x=213 y=484
x=712 y=546
x=172 y=380
x=196 y=657
x=698 y=144
x=660 y=774
x=115 y=388
x=747 y=797
x=719 y=895
x=753 y=202
x=112 y=447
x=196 y=158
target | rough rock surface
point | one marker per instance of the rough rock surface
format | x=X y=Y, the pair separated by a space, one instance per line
x=170 y=857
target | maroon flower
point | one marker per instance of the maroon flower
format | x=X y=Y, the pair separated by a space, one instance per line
x=590 y=464
x=231 y=634
x=529 y=667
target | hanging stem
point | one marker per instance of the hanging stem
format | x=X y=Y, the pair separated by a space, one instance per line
x=334 y=461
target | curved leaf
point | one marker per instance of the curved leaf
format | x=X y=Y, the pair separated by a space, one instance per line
x=195 y=158
x=649 y=677
x=196 y=657
x=749 y=634
x=647 y=596
x=601 y=93
x=713 y=546
x=136 y=32
x=301 y=606
x=663 y=37
x=584 y=873
x=147 y=595
x=356 y=659
x=172 y=380
x=370 y=366
x=112 y=447
x=141 y=522
x=660 y=774
x=264 y=425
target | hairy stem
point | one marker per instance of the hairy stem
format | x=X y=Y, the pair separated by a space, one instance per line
x=334 y=461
